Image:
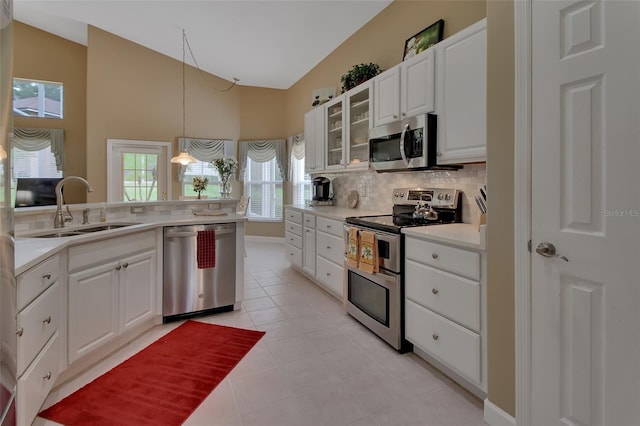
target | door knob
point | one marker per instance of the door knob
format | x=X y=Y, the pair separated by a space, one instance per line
x=549 y=250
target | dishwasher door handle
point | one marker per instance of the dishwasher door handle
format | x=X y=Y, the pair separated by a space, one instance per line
x=185 y=234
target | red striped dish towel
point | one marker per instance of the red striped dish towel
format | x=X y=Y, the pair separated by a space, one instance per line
x=206 y=250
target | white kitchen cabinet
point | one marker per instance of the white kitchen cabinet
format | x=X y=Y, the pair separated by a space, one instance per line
x=41 y=325
x=330 y=252
x=444 y=307
x=293 y=236
x=358 y=123
x=405 y=90
x=314 y=143
x=335 y=120
x=461 y=86
x=112 y=288
x=309 y=243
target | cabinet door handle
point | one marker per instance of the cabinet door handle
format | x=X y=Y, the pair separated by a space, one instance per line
x=47 y=276
x=125 y=265
x=20 y=332
x=434 y=255
x=435 y=336
x=47 y=376
x=328 y=274
x=435 y=291
x=47 y=320
x=118 y=267
x=328 y=247
x=404 y=114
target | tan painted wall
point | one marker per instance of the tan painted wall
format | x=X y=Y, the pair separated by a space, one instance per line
x=500 y=234
x=136 y=93
x=262 y=116
x=39 y=55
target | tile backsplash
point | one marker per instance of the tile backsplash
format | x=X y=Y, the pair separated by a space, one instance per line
x=375 y=189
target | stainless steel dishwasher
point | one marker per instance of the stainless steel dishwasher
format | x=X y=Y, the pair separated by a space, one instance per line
x=189 y=291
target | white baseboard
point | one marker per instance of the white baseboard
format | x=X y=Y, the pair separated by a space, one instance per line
x=496 y=416
x=264 y=239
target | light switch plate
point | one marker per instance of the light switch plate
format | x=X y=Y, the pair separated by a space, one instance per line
x=138 y=210
x=215 y=206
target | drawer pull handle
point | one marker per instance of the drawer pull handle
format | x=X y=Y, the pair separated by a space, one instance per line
x=435 y=336
x=47 y=320
x=20 y=332
x=435 y=291
x=434 y=255
x=47 y=376
x=47 y=276
x=328 y=226
x=328 y=274
x=328 y=247
x=126 y=265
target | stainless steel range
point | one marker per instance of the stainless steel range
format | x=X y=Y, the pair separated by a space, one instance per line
x=377 y=299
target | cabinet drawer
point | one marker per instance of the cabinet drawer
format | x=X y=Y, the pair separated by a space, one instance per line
x=100 y=252
x=331 y=247
x=329 y=226
x=455 y=346
x=34 y=281
x=36 y=324
x=294 y=255
x=330 y=275
x=294 y=228
x=452 y=259
x=293 y=216
x=37 y=381
x=293 y=239
x=309 y=220
x=449 y=295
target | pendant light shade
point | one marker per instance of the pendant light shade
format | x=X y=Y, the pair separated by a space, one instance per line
x=184 y=158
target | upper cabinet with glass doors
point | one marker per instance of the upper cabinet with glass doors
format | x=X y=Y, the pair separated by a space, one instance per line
x=347 y=129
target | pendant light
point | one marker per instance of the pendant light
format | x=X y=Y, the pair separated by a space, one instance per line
x=184 y=158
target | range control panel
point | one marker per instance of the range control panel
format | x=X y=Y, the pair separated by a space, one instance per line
x=435 y=197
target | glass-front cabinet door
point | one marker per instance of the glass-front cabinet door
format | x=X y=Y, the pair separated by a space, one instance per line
x=335 y=114
x=358 y=101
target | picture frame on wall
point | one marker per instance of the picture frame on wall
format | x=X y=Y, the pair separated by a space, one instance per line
x=423 y=39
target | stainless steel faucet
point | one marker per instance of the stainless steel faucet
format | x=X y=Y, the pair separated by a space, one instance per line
x=58 y=220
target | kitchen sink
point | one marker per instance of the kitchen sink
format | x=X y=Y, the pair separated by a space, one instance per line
x=60 y=233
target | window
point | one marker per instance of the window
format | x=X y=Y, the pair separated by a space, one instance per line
x=36 y=153
x=204 y=169
x=300 y=181
x=263 y=183
x=137 y=170
x=33 y=98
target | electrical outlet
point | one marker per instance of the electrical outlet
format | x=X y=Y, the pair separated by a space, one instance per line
x=215 y=206
x=138 y=210
x=362 y=190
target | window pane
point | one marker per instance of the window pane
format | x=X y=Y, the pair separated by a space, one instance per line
x=33 y=98
x=301 y=182
x=203 y=169
x=32 y=164
x=139 y=174
x=264 y=186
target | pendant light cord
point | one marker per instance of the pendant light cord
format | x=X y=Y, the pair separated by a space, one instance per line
x=185 y=41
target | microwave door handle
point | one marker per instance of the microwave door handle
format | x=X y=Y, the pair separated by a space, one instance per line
x=402 y=147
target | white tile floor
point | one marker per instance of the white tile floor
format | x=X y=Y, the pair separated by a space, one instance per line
x=314 y=366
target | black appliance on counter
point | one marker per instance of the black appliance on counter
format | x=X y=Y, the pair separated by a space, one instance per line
x=377 y=300
x=321 y=188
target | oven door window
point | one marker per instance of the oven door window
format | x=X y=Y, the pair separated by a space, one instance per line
x=385 y=149
x=369 y=297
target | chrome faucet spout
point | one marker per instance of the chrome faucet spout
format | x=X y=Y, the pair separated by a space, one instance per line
x=58 y=220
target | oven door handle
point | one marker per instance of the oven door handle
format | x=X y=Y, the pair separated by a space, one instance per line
x=402 y=146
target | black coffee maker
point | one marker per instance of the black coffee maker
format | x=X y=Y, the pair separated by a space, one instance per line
x=321 y=187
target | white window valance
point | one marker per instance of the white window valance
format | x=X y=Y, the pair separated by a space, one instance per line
x=39 y=139
x=205 y=150
x=263 y=151
x=297 y=151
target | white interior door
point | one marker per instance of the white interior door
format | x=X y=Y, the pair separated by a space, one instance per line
x=585 y=312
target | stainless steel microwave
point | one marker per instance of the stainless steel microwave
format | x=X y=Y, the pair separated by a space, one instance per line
x=409 y=144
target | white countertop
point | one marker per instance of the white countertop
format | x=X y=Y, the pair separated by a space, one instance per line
x=464 y=235
x=333 y=212
x=30 y=251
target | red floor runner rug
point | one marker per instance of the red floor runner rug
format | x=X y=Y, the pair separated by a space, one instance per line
x=161 y=385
